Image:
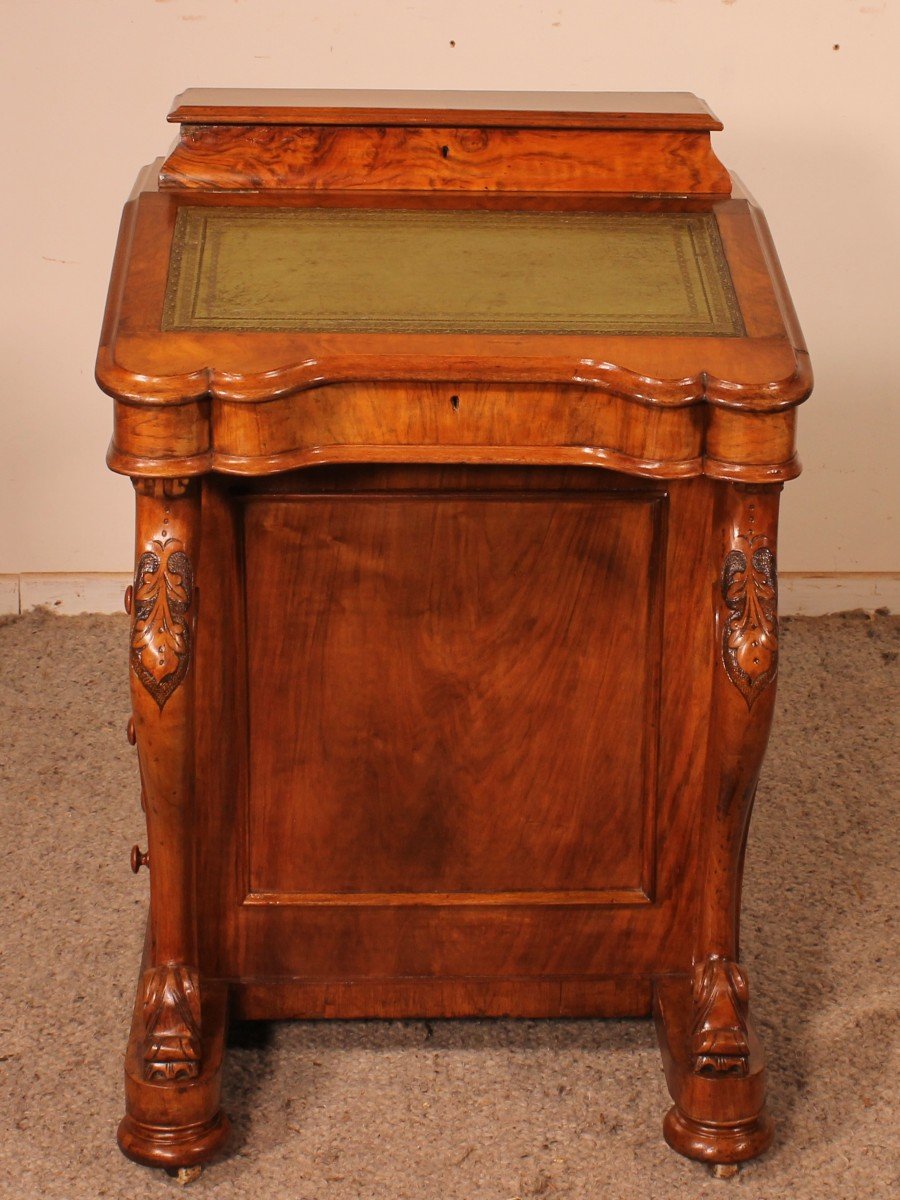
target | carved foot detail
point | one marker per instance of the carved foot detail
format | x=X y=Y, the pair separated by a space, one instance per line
x=171 y=1011
x=719 y=1042
x=713 y=1063
x=174 y=1125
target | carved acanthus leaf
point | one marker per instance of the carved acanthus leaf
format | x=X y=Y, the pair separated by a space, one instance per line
x=719 y=1037
x=161 y=634
x=171 y=1023
x=750 y=635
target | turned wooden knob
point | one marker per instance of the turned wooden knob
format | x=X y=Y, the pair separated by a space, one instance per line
x=139 y=858
x=129 y=592
x=129 y=732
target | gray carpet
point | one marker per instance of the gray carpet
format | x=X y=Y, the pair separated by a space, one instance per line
x=452 y=1110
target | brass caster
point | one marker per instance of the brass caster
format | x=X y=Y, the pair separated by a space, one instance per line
x=725 y=1170
x=185 y=1175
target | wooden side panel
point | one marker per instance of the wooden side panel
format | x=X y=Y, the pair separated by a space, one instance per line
x=456 y=661
x=415 y=869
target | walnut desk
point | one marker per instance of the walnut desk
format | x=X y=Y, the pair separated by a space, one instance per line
x=457 y=425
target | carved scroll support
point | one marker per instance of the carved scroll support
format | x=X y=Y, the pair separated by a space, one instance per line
x=173 y=1067
x=744 y=630
x=163 y=613
x=712 y=1057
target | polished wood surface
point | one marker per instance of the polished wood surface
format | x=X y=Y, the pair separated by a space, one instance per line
x=717 y=1117
x=175 y=1123
x=408 y=746
x=446 y=158
x=551 y=426
x=516 y=110
x=479 y=739
x=431 y=719
x=162 y=607
x=718 y=406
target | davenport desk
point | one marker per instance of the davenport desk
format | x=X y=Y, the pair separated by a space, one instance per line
x=457 y=425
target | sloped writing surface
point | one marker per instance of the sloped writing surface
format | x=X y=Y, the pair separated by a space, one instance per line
x=397 y=271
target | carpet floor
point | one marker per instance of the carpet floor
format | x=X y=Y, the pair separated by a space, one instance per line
x=452 y=1110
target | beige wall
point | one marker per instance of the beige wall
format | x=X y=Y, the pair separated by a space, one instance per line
x=812 y=129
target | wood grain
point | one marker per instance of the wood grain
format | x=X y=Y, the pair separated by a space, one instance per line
x=484 y=423
x=556 y=110
x=302 y=945
x=432 y=707
x=458 y=158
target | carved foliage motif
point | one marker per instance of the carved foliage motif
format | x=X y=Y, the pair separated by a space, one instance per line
x=750 y=635
x=719 y=1039
x=171 y=1023
x=161 y=634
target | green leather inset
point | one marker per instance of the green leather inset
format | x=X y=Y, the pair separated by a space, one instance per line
x=400 y=271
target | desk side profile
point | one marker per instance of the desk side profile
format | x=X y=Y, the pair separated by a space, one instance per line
x=466 y=415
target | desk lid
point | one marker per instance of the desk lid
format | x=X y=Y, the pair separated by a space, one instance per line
x=517 y=110
x=310 y=284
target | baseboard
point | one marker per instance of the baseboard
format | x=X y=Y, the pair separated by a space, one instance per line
x=817 y=593
x=810 y=595
x=9 y=595
x=66 y=594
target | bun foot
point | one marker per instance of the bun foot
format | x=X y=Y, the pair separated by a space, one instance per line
x=175 y=1121
x=723 y=1146
x=180 y=1151
x=719 y=1115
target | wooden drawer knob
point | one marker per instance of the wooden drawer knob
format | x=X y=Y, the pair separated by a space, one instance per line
x=139 y=858
x=129 y=592
x=129 y=732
